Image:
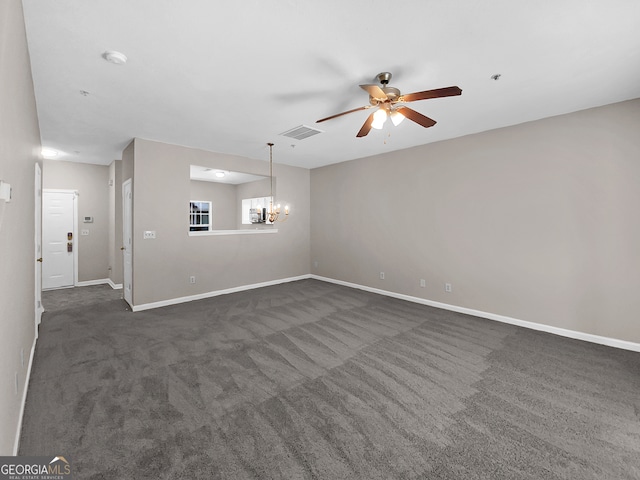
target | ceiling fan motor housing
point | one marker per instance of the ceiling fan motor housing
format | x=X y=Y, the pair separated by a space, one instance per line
x=392 y=93
x=392 y=96
x=384 y=78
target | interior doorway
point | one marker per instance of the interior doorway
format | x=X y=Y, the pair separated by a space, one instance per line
x=38 y=245
x=127 y=243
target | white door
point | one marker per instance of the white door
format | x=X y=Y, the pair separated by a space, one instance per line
x=38 y=241
x=58 y=239
x=127 y=244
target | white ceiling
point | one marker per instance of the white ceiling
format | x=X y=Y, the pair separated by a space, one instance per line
x=206 y=174
x=230 y=76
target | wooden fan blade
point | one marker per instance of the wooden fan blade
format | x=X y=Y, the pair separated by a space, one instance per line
x=366 y=128
x=437 y=93
x=420 y=119
x=375 y=91
x=343 y=113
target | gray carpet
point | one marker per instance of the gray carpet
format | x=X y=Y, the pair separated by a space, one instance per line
x=310 y=380
x=61 y=299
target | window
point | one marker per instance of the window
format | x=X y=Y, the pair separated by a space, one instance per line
x=200 y=216
x=254 y=210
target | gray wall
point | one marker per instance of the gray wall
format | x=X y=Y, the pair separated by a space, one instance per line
x=115 y=222
x=538 y=221
x=128 y=161
x=161 y=190
x=223 y=202
x=256 y=189
x=92 y=184
x=19 y=151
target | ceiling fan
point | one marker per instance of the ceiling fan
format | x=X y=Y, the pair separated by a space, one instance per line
x=389 y=100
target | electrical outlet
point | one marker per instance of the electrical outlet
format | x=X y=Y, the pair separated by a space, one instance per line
x=381 y=275
x=149 y=234
x=84 y=233
x=447 y=287
x=192 y=279
x=423 y=283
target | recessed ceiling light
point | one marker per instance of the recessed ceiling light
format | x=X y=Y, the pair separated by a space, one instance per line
x=115 y=57
x=49 y=152
x=219 y=174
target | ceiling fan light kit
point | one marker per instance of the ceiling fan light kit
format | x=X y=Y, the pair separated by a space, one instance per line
x=396 y=117
x=389 y=103
x=379 y=117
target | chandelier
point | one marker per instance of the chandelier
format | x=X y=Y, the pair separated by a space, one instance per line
x=274 y=210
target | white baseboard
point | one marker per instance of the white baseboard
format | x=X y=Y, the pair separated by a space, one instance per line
x=587 y=337
x=16 y=442
x=99 y=281
x=201 y=296
x=87 y=283
x=115 y=286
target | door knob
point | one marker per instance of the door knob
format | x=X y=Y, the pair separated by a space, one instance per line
x=39 y=260
x=122 y=248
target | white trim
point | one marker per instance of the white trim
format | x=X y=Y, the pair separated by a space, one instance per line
x=100 y=281
x=76 y=240
x=16 y=442
x=215 y=293
x=38 y=246
x=233 y=232
x=587 y=337
x=87 y=283
x=39 y=312
x=210 y=213
x=61 y=190
x=115 y=286
x=128 y=243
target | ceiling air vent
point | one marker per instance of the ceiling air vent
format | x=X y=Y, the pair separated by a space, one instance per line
x=301 y=132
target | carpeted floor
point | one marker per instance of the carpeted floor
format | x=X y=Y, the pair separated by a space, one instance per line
x=310 y=380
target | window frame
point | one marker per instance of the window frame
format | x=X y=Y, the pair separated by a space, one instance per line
x=202 y=226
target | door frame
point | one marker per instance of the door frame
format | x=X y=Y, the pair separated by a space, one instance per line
x=38 y=246
x=75 y=231
x=127 y=204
